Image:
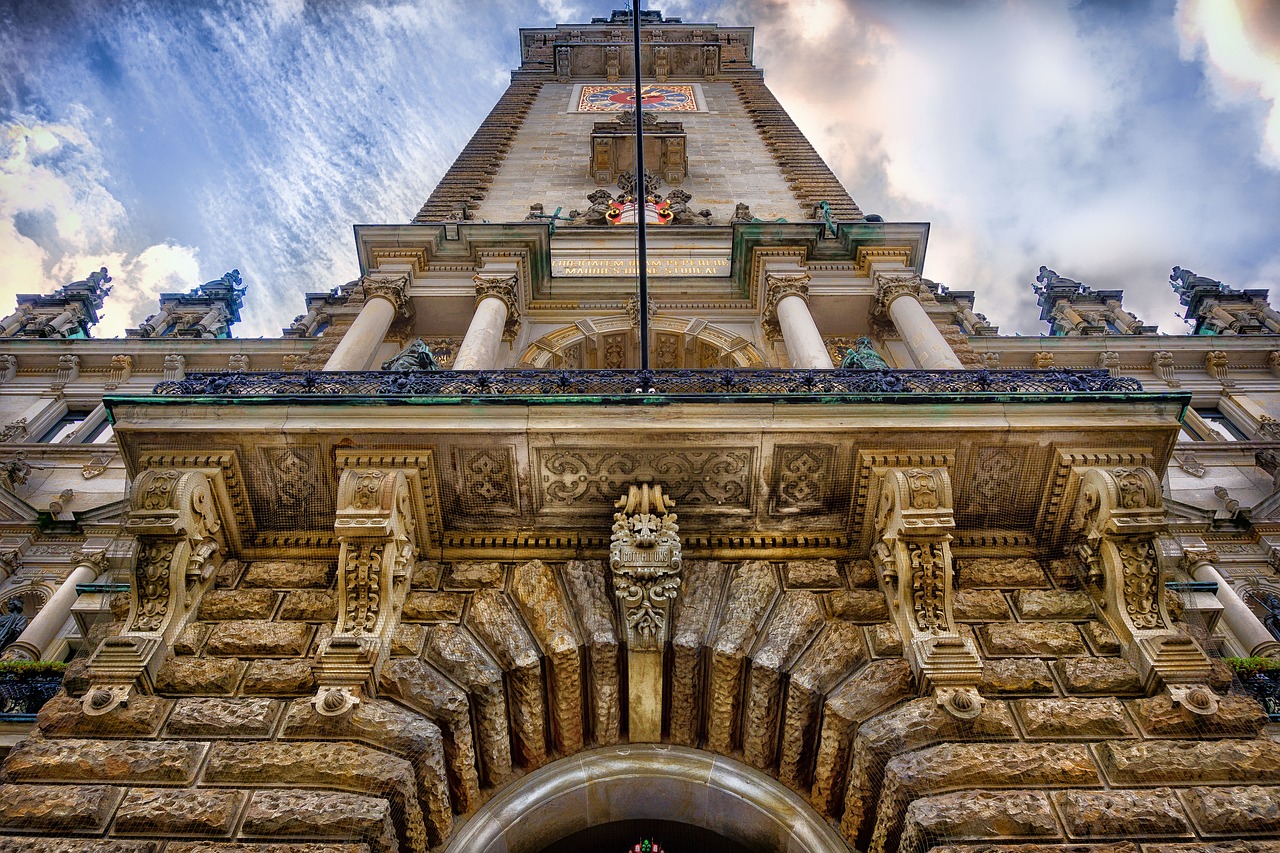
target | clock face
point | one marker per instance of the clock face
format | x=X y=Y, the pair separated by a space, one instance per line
x=612 y=97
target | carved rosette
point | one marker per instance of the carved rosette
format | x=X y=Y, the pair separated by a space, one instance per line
x=1118 y=513
x=777 y=288
x=375 y=564
x=175 y=519
x=506 y=289
x=913 y=558
x=646 y=562
x=394 y=289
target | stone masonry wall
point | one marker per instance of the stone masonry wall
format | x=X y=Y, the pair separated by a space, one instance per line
x=498 y=668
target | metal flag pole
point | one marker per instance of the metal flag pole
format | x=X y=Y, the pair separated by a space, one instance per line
x=641 y=209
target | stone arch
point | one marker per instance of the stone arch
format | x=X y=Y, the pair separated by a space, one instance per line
x=609 y=342
x=34 y=596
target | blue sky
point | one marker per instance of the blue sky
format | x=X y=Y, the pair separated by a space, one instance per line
x=175 y=141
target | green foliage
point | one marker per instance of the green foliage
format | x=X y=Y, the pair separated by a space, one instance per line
x=29 y=668
x=1252 y=666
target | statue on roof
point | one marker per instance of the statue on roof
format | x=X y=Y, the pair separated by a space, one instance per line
x=1050 y=278
x=1181 y=280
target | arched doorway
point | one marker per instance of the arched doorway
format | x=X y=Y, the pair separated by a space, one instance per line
x=728 y=806
x=610 y=343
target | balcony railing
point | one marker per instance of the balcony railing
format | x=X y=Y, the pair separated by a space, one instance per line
x=1264 y=685
x=23 y=695
x=619 y=385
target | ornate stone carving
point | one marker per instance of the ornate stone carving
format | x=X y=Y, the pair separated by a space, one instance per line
x=712 y=477
x=1273 y=362
x=121 y=370
x=891 y=286
x=1110 y=361
x=991 y=360
x=96 y=465
x=611 y=63
x=1187 y=462
x=1268 y=428
x=8 y=367
x=562 y=64
x=375 y=564
x=394 y=289
x=777 y=288
x=803 y=476
x=1118 y=514
x=1042 y=360
x=175 y=520
x=1215 y=364
x=913 y=557
x=68 y=372
x=238 y=362
x=505 y=288
x=14 y=431
x=175 y=367
x=1162 y=366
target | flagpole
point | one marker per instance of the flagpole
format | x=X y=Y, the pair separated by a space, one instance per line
x=641 y=206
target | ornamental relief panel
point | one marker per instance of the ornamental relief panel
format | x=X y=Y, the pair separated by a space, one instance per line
x=485 y=480
x=804 y=479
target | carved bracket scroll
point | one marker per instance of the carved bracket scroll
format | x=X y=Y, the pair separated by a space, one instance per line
x=180 y=539
x=1118 y=513
x=913 y=557
x=375 y=529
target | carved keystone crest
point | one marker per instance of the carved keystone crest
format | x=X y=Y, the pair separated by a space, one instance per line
x=646 y=562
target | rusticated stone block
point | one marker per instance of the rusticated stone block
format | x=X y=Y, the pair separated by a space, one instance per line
x=1120 y=847
x=839 y=650
x=218 y=605
x=427 y=574
x=129 y=761
x=1015 y=676
x=1058 y=604
x=1032 y=639
x=474 y=576
x=280 y=814
x=229 y=574
x=407 y=640
x=862 y=575
x=191 y=639
x=795 y=621
x=1221 y=675
x=62 y=716
x=982 y=573
x=493 y=620
x=297 y=847
x=866 y=606
x=695 y=610
x=538 y=596
x=1154 y=762
x=57 y=808
x=251 y=638
x=279 y=678
x=1073 y=718
x=460 y=656
x=309 y=605
x=811 y=574
x=1099 y=676
x=178 y=811
x=1101 y=638
x=585 y=580
x=976 y=814
x=223 y=718
x=67 y=845
x=433 y=607
x=1251 y=846
x=290 y=574
x=1121 y=814
x=752 y=591
x=199 y=676
x=1246 y=809
x=1237 y=716
x=979 y=605
x=884 y=640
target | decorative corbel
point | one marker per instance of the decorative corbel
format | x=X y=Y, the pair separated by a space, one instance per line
x=1118 y=514
x=913 y=557
x=175 y=519
x=1163 y=366
x=175 y=367
x=645 y=558
x=121 y=370
x=8 y=367
x=375 y=563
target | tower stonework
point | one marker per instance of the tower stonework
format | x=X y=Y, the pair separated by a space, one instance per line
x=444 y=568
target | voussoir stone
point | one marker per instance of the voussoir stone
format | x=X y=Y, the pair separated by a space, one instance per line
x=474 y=576
x=280 y=814
x=67 y=845
x=1251 y=846
x=811 y=574
x=221 y=604
x=994 y=573
x=223 y=717
x=979 y=605
x=309 y=605
x=172 y=811
x=1102 y=638
x=407 y=640
x=130 y=761
x=1032 y=639
x=289 y=574
x=1015 y=676
x=295 y=847
x=62 y=716
x=433 y=607
x=199 y=676
x=279 y=677
x=191 y=638
x=1060 y=604
x=1162 y=761
x=884 y=640
x=976 y=814
x=1241 y=809
x=256 y=638
x=1121 y=814
x=858 y=605
x=57 y=808
x=1115 y=847
x=1236 y=716
x=1105 y=676
x=1052 y=718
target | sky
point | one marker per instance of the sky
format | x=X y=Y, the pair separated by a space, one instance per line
x=172 y=142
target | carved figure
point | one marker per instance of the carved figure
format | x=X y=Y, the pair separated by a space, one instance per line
x=742 y=213
x=1182 y=279
x=863 y=356
x=535 y=212
x=1050 y=278
x=416 y=356
x=598 y=212
x=13 y=623
x=681 y=213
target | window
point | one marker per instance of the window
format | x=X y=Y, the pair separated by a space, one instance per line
x=1221 y=425
x=78 y=426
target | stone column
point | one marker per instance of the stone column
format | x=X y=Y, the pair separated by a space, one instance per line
x=1251 y=633
x=898 y=296
x=43 y=629
x=496 y=319
x=384 y=299
x=60 y=324
x=786 y=313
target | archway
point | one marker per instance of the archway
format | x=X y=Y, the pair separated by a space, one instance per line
x=726 y=800
x=610 y=343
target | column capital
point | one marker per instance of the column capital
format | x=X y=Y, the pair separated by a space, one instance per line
x=1197 y=555
x=505 y=288
x=891 y=286
x=393 y=288
x=776 y=288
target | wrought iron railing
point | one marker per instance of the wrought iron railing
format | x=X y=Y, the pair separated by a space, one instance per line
x=24 y=695
x=552 y=384
x=1264 y=685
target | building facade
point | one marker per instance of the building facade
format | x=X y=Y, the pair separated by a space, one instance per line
x=442 y=568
